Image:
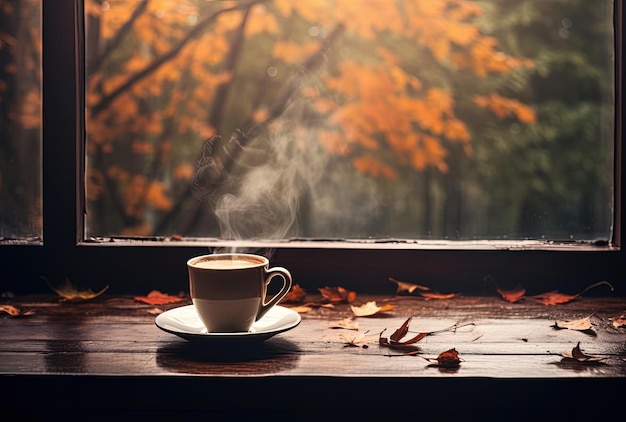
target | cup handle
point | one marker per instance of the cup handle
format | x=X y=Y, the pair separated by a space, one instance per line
x=287 y=282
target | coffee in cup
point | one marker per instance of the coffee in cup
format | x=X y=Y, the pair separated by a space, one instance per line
x=229 y=290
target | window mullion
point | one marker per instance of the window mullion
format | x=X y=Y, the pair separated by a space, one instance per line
x=62 y=143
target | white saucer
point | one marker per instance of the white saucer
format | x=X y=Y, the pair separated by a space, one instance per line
x=184 y=322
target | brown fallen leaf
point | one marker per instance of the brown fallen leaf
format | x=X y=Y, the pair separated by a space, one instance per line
x=448 y=359
x=577 y=355
x=437 y=295
x=346 y=323
x=371 y=308
x=396 y=340
x=70 y=292
x=555 y=297
x=424 y=291
x=14 y=311
x=337 y=294
x=583 y=324
x=618 y=322
x=403 y=286
x=295 y=295
x=155 y=297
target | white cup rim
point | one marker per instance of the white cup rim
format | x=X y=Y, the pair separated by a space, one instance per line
x=262 y=261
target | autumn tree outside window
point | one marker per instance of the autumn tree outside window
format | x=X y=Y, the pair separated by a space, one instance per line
x=349 y=119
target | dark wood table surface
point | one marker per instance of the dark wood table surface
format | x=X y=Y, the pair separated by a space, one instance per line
x=107 y=355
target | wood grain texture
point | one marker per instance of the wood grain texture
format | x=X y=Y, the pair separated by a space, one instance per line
x=113 y=343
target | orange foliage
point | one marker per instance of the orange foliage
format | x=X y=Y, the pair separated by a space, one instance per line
x=373 y=166
x=382 y=110
x=157 y=197
x=503 y=107
x=184 y=171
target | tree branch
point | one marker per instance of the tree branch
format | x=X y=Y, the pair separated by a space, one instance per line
x=95 y=63
x=158 y=62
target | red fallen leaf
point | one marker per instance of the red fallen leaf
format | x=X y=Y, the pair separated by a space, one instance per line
x=155 y=297
x=295 y=295
x=337 y=294
x=448 y=359
x=514 y=295
x=555 y=297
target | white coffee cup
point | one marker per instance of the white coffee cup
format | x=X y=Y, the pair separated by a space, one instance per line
x=229 y=290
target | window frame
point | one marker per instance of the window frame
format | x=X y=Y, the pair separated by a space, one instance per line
x=129 y=266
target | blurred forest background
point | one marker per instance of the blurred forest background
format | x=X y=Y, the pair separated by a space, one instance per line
x=273 y=119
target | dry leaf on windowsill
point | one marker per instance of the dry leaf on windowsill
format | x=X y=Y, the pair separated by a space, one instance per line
x=396 y=340
x=514 y=295
x=371 y=308
x=403 y=286
x=437 y=295
x=308 y=307
x=70 y=292
x=618 y=322
x=337 y=294
x=448 y=359
x=578 y=356
x=302 y=309
x=295 y=295
x=423 y=291
x=155 y=297
x=583 y=324
x=356 y=340
x=346 y=323
x=15 y=312
x=555 y=297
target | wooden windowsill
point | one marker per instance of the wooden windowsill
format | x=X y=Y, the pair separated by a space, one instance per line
x=108 y=355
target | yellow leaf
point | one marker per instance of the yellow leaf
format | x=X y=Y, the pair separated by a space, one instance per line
x=70 y=292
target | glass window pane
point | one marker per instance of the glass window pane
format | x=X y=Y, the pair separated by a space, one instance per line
x=350 y=119
x=20 y=120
